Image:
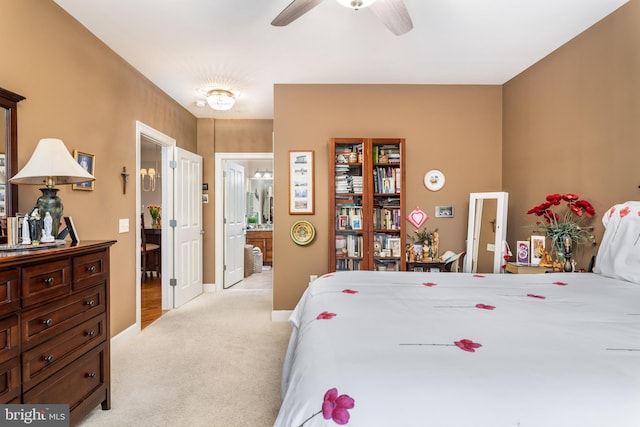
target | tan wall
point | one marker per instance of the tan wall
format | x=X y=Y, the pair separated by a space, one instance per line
x=456 y=129
x=572 y=123
x=80 y=91
x=226 y=136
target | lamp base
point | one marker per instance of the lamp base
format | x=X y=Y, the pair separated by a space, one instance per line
x=50 y=202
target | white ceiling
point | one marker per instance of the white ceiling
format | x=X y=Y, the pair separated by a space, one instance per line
x=184 y=45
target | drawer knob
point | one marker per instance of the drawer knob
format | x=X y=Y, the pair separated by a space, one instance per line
x=92 y=269
x=90 y=303
x=47 y=322
x=48 y=358
x=91 y=333
x=48 y=281
x=91 y=375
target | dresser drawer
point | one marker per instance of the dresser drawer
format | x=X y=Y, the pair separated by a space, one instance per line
x=9 y=295
x=74 y=383
x=9 y=380
x=45 y=281
x=50 y=356
x=9 y=338
x=42 y=323
x=89 y=270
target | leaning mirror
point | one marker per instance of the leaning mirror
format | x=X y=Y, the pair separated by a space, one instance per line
x=486 y=233
x=8 y=156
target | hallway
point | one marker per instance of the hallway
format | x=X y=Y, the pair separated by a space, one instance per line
x=151 y=293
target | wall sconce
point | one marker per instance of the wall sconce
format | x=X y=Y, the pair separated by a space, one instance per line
x=267 y=174
x=151 y=173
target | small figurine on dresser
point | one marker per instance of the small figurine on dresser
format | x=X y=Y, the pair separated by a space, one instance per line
x=46 y=229
x=26 y=233
x=435 y=244
x=411 y=256
x=35 y=227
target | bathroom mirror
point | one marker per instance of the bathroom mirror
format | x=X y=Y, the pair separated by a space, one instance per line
x=8 y=155
x=487 y=232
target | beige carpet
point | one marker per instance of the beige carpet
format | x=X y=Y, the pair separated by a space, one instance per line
x=216 y=361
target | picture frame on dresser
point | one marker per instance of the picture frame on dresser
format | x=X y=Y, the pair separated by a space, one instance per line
x=71 y=228
x=301 y=182
x=537 y=245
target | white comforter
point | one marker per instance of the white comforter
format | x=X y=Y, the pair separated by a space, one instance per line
x=558 y=349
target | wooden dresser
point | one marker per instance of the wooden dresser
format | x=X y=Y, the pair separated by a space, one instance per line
x=54 y=327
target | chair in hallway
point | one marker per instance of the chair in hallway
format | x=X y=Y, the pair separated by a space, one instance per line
x=149 y=253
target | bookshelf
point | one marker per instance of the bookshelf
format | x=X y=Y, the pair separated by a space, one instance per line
x=366 y=204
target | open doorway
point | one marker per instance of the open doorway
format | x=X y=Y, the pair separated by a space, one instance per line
x=256 y=224
x=151 y=231
x=152 y=188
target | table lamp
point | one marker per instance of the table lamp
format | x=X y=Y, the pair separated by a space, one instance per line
x=51 y=164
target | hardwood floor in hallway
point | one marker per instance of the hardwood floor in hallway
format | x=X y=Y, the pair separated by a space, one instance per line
x=151 y=301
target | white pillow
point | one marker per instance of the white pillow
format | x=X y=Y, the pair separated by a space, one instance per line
x=619 y=252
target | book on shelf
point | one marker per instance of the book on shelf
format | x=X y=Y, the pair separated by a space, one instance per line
x=356 y=222
x=343 y=222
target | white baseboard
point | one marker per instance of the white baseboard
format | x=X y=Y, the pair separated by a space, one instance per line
x=280 y=315
x=210 y=287
x=125 y=336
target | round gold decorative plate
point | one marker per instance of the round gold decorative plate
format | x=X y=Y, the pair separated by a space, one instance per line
x=302 y=232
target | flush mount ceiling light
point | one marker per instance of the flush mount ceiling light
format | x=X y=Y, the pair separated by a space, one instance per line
x=356 y=4
x=220 y=99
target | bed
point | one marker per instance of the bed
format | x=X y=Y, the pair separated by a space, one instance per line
x=455 y=349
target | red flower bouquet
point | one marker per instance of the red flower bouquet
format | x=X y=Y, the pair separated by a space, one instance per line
x=569 y=224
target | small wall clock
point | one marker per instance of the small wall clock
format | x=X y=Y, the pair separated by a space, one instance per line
x=434 y=180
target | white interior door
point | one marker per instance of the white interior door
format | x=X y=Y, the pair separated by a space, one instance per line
x=188 y=230
x=234 y=223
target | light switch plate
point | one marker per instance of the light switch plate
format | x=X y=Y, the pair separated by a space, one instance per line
x=491 y=247
x=123 y=225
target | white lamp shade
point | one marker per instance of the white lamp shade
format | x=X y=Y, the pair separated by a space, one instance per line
x=51 y=159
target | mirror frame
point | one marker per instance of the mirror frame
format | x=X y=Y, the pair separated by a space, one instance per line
x=9 y=101
x=500 y=227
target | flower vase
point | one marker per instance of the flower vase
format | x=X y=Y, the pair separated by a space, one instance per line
x=155 y=223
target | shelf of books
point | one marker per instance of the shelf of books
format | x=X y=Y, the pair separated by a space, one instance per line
x=366 y=198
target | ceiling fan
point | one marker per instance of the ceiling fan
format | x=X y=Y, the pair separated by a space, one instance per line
x=392 y=13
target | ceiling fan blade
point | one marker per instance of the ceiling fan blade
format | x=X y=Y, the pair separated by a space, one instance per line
x=394 y=15
x=295 y=10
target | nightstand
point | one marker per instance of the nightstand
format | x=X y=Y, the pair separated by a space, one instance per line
x=516 y=268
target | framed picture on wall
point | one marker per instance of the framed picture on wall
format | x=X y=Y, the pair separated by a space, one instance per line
x=88 y=163
x=444 y=211
x=301 y=184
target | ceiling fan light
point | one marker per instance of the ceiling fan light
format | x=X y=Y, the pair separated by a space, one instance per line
x=220 y=99
x=356 y=4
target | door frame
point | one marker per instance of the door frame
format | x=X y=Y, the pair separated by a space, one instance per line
x=167 y=145
x=219 y=207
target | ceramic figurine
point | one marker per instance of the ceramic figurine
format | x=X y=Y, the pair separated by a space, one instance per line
x=46 y=231
x=26 y=234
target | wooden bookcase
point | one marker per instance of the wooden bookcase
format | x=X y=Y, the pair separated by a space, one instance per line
x=366 y=204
